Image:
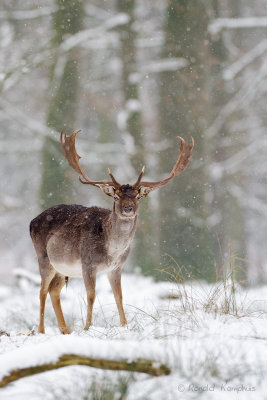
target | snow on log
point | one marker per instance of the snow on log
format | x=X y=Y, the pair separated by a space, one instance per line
x=147 y=357
x=66 y=360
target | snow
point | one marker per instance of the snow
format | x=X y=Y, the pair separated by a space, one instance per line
x=22 y=273
x=133 y=105
x=180 y=325
x=37 y=354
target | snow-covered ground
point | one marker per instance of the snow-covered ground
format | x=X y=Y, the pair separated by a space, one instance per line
x=214 y=341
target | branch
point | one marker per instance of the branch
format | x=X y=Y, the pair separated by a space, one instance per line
x=236 y=23
x=83 y=36
x=248 y=201
x=140 y=365
x=246 y=59
x=22 y=15
x=245 y=95
x=16 y=114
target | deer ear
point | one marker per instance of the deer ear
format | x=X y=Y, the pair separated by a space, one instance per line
x=108 y=190
x=145 y=190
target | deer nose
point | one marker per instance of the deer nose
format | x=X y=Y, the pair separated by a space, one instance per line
x=127 y=209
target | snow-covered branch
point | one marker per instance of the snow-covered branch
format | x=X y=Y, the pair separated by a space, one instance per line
x=84 y=35
x=26 y=14
x=165 y=64
x=66 y=351
x=66 y=360
x=96 y=12
x=248 y=201
x=235 y=163
x=246 y=59
x=236 y=23
x=244 y=96
x=14 y=113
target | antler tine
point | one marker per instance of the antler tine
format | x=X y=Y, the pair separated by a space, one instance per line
x=69 y=150
x=116 y=184
x=180 y=165
x=137 y=183
x=184 y=156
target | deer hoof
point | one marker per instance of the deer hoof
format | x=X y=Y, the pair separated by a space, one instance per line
x=41 y=329
x=65 y=331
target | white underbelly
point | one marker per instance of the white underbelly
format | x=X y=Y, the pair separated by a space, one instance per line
x=72 y=270
x=75 y=270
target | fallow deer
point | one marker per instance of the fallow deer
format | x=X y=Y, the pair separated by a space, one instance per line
x=76 y=241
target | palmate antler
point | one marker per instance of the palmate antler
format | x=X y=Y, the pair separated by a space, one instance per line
x=69 y=150
x=182 y=162
x=143 y=187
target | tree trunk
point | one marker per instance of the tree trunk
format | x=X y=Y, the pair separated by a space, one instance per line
x=63 y=92
x=185 y=111
x=230 y=229
x=144 y=254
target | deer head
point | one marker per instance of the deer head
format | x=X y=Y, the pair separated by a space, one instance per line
x=126 y=197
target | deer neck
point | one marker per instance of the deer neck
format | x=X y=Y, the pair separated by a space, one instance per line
x=121 y=230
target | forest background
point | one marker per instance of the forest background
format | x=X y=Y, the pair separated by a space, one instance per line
x=133 y=75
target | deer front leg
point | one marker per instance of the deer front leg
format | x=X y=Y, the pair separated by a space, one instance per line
x=115 y=283
x=55 y=288
x=89 y=281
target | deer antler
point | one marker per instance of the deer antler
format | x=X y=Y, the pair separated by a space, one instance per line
x=137 y=183
x=144 y=188
x=182 y=162
x=69 y=150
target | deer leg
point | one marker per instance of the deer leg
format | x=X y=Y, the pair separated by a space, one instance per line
x=47 y=274
x=115 y=283
x=55 y=287
x=90 y=290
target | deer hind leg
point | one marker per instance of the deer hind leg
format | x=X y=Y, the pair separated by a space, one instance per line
x=47 y=273
x=89 y=282
x=55 y=288
x=115 y=283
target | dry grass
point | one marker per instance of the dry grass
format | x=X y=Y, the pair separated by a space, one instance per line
x=225 y=296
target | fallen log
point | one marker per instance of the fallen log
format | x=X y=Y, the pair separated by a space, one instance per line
x=140 y=365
